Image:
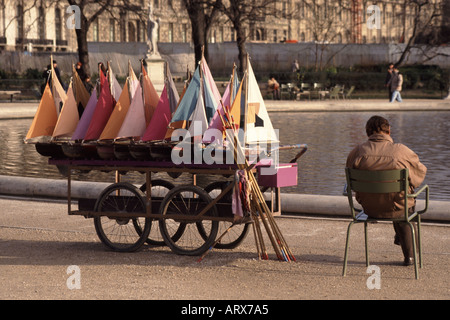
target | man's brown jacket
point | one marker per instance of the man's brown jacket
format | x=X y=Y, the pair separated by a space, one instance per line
x=381 y=153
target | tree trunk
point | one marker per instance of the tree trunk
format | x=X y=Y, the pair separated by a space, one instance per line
x=197 y=17
x=83 y=53
x=240 y=39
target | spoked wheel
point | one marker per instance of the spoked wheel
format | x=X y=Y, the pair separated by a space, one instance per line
x=181 y=206
x=116 y=232
x=160 y=188
x=236 y=234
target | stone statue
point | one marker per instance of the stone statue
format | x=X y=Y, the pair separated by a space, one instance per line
x=152 y=30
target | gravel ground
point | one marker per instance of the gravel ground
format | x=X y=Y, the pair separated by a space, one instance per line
x=39 y=241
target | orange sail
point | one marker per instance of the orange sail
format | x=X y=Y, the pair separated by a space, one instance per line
x=151 y=97
x=59 y=95
x=235 y=110
x=79 y=90
x=45 y=118
x=68 y=118
x=117 y=116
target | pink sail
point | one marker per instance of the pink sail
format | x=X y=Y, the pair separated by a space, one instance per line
x=101 y=114
x=211 y=83
x=157 y=127
x=134 y=123
x=86 y=117
x=216 y=123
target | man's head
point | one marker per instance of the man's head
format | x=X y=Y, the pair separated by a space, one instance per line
x=377 y=124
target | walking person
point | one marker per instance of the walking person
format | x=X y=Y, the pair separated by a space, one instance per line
x=395 y=84
x=388 y=79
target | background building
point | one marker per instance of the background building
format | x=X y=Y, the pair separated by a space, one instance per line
x=41 y=25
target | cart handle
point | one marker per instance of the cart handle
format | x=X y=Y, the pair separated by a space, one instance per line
x=298 y=155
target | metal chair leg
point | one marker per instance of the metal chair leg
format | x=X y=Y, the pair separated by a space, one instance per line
x=344 y=270
x=416 y=270
x=366 y=241
x=419 y=238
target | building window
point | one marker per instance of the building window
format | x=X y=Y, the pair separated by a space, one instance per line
x=170 y=35
x=141 y=31
x=58 y=25
x=284 y=9
x=112 y=30
x=184 y=32
x=19 y=15
x=131 y=32
x=95 y=31
x=41 y=23
x=220 y=34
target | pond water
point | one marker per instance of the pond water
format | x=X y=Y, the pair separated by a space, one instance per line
x=329 y=136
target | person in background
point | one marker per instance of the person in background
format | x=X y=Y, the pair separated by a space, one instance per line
x=46 y=74
x=58 y=74
x=295 y=66
x=88 y=84
x=395 y=84
x=388 y=79
x=274 y=87
x=80 y=71
x=380 y=152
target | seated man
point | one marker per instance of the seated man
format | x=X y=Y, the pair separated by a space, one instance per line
x=381 y=153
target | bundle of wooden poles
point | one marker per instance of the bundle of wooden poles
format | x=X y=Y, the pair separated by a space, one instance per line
x=259 y=211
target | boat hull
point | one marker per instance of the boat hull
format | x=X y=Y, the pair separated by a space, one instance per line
x=106 y=151
x=140 y=151
x=122 y=151
x=80 y=151
x=161 y=152
x=50 y=149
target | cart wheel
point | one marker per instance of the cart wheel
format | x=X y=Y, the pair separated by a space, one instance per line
x=120 y=234
x=160 y=188
x=237 y=234
x=187 y=202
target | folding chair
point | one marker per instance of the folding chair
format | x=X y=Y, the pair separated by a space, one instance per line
x=386 y=181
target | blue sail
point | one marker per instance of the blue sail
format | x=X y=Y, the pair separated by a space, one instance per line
x=189 y=100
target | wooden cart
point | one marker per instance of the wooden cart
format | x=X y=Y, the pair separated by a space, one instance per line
x=187 y=218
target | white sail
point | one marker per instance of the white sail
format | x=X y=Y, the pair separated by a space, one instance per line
x=258 y=127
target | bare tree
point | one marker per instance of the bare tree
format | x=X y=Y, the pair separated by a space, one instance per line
x=91 y=10
x=425 y=27
x=202 y=15
x=328 y=22
x=243 y=13
x=96 y=8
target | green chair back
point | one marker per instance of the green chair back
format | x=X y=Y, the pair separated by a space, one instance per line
x=386 y=181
